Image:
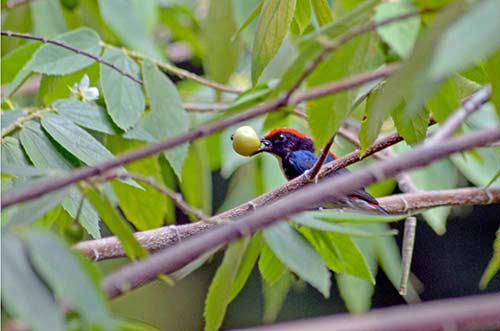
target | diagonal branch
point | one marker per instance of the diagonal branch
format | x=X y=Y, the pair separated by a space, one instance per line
x=74 y=176
x=142 y=272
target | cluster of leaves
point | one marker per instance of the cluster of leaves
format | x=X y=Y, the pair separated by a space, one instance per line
x=451 y=51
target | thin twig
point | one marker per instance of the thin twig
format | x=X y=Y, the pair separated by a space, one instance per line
x=313 y=173
x=70 y=48
x=141 y=272
x=74 y=176
x=156 y=239
x=17 y=124
x=181 y=72
x=480 y=312
x=176 y=197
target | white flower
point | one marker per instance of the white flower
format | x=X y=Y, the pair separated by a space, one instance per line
x=83 y=91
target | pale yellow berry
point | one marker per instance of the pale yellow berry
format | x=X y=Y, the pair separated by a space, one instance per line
x=245 y=141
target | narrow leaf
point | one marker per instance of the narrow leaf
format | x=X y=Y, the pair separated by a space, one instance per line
x=493 y=265
x=270 y=267
x=85 y=114
x=322 y=11
x=298 y=255
x=272 y=28
x=274 y=296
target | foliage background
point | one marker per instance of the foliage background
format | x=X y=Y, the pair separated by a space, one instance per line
x=203 y=37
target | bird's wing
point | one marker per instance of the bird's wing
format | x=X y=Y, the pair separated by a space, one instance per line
x=302 y=160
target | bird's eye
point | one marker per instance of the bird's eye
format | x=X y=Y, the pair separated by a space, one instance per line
x=281 y=137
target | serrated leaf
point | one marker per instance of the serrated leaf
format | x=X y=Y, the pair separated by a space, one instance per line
x=55 y=262
x=246 y=266
x=322 y=11
x=274 y=297
x=124 y=19
x=400 y=36
x=85 y=114
x=168 y=117
x=275 y=19
x=55 y=60
x=339 y=252
x=116 y=224
x=77 y=141
x=270 y=267
x=124 y=97
x=219 y=26
x=298 y=255
x=493 y=265
x=24 y=295
x=218 y=298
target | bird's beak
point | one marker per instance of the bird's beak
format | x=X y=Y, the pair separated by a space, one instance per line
x=266 y=144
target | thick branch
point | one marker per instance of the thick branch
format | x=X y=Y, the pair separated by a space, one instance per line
x=74 y=176
x=169 y=260
x=156 y=239
x=469 y=313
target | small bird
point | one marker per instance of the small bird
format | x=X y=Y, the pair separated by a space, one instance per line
x=295 y=151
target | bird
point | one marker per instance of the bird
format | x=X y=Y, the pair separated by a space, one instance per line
x=295 y=152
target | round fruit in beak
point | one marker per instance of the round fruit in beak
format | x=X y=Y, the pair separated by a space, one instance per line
x=245 y=141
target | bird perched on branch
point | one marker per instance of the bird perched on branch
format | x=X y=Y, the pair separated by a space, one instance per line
x=295 y=152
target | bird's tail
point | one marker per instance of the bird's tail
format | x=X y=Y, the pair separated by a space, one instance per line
x=358 y=203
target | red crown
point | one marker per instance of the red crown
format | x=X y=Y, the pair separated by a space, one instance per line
x=284 y=130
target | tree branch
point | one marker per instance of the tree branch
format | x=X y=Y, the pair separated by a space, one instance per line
x=74 y=176
x=156 y=239
x=480 y=312
x=70 y=48
x=169 y=260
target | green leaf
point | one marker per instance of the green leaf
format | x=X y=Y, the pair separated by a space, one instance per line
x=439 y=175
x=274 y=296
x=85 y=147
x=339 y=252
x=168 y=117
x=14 y=63
x=357 y=292
x=492 y=69
x=410 y=83
x=12 y=152
x=472 y=37
x=253 y=15
x=47 y=17
x=44 y=154
x=493 y=265
x=219 y=26
x=413 y=129
x=247 y=263
x=116 y=224
x=400 y=36
x=123 y=17
x=124 y=97
x=60 y=268
x=145 y=207
x=24 y=295
x=85 y=114
x=272 y=28
x=386 y=251
x=298 y=255
x=326 y=115
x=303 y=14
x=218 y=297
x=196 y=184
x=322 y=11
x=308 y=220
x=55 y=60
x=21 y=170
x=352 y=217
x=270 y=267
